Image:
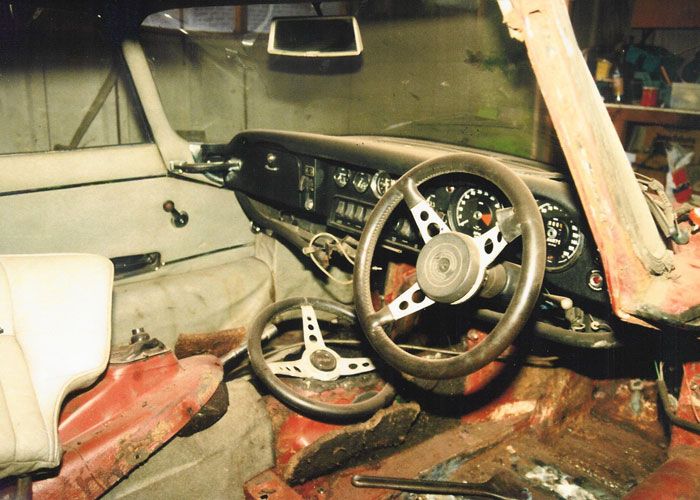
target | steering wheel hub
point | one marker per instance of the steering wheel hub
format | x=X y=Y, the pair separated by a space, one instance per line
x=448 y=267
x=323 y=360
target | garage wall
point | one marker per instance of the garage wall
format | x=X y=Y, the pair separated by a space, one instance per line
x=47 y=88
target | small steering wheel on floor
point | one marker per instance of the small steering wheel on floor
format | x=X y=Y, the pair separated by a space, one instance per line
x=317 y=362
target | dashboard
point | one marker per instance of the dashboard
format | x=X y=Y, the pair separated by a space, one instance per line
x=328 y=182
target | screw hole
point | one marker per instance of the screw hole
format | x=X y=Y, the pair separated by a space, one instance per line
x=365 y=364
x=311 y=327
x=313 y=338
x=433 y=229
x=424 y=215
x=418 y=297
x=403 y=305
x=297 y=369
x=499 y=237
x=488 y=246
x=352 y=366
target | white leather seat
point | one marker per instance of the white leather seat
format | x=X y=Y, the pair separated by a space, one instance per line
x=55 y=316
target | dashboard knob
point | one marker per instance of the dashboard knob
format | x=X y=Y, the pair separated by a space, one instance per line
x=271 y=162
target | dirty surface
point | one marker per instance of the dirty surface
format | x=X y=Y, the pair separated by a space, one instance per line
x=553 y=433
x=591 y=460
x=386 y=428
x=216 y=343
x=411 y=462
x=133 y=410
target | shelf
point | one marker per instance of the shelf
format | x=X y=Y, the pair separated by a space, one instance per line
x=653 y=14
x=622 y=114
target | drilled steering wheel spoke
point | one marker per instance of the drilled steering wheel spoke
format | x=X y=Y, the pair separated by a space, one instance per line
x=289 y=369
x=409 y=302
x=318 y=361
x=313 y=337
x=490 y=245
x=429 y=223
x=323 y=365
x=354 y=366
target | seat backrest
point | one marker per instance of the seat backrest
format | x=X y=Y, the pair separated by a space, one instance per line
x=55 y=316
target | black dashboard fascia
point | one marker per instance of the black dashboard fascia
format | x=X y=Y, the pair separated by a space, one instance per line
x=299 y=154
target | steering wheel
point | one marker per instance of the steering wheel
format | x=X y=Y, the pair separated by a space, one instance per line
x=318 y=361
x=452 y=267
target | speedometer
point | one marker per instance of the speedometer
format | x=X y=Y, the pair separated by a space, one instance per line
x=474 y=212
x=564 y=238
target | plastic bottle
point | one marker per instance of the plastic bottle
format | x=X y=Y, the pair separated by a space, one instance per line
x=618 y=85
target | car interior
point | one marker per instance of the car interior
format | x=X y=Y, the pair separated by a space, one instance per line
x=353 y=218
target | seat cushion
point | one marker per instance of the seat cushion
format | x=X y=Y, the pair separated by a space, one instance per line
x=55 y=313
x=25 y=438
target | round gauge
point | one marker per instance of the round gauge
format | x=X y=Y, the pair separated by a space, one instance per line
x=381 y=182
x=341 y=176
x=361 y=182
x=474 y=212
x=439 y=203
x=564 y=238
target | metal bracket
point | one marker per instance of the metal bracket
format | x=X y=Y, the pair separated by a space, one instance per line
x=142 y=346
x=508 y=223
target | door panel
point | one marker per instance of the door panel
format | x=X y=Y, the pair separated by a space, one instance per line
x=124 y=218
x=78 y=173
x=209 y=279
x=33 y=171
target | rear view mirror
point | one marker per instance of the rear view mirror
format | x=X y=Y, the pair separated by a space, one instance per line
x=315 y=37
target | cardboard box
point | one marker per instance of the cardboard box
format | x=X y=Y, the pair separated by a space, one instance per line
x=685 y=96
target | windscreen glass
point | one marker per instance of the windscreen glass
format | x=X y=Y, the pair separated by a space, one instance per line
x=439 y=70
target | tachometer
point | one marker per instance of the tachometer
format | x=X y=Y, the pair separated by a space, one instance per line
x=474 y=212
x=564 y=238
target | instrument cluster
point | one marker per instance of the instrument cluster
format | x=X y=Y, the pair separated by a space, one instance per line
x=469 y=208
x=472 y=209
